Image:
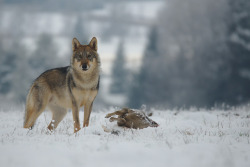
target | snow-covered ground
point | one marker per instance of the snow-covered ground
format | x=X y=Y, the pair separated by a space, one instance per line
x=187 y=138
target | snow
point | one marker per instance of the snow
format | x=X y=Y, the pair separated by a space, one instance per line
x=184 y=138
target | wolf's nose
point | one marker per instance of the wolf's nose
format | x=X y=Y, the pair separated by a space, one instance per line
x=84 y=67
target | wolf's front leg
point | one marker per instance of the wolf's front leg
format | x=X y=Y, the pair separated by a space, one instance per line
x=88 y=106
x=87 y=112
x=75 y=112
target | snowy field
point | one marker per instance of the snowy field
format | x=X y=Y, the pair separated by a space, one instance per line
x=184 y=138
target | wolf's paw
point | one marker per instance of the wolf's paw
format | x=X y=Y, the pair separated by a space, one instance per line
x=86 y=123
x=76 y=130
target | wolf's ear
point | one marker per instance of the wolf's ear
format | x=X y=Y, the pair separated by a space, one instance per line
x=75 y=44
x=93 y=43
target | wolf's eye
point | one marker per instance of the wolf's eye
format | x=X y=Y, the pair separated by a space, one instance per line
x=89 y=56
x=78 y=57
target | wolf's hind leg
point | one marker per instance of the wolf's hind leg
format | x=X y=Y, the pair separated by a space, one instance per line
x=35 y=105
x=32 y=113
x=58 y=113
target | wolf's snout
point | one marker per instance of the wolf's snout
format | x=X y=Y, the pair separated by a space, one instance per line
x=84 y=67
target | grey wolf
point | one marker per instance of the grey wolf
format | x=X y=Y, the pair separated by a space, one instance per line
x=131 y=119
x=66 y=88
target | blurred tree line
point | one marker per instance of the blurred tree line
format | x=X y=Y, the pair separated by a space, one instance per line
x=197 y=55
x=19 y=69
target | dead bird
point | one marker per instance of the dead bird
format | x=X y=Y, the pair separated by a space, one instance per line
x=131 y=119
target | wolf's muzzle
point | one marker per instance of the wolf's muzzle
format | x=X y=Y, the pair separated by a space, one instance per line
x=84 y=67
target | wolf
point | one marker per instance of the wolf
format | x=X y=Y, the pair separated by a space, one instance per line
x=66 y=88
x=131 y=119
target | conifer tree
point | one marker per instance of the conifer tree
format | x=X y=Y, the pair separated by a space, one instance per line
x=239 y=43
x=119 y=73
x=140 y=92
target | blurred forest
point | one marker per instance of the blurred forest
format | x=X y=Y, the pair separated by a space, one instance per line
x=195 y=52
x=197 y=55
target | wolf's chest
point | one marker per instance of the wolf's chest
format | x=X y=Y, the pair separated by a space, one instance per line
x=82 y=97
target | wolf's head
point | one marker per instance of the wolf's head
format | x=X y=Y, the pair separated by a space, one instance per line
x=85 y=57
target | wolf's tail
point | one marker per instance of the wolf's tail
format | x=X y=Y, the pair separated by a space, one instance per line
x=28 y=111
